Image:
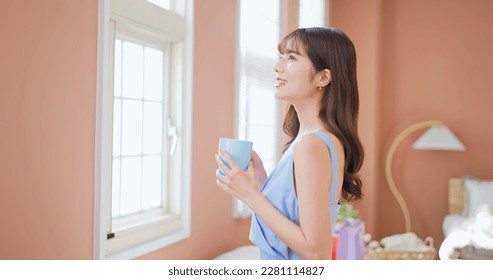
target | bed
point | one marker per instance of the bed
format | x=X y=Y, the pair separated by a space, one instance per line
x=469 y=221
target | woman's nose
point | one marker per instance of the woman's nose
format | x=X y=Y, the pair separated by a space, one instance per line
x=277 y=67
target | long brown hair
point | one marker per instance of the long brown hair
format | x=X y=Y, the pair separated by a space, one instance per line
x=330 y=48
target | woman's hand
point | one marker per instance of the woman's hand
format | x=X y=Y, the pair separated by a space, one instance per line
x=236 y=182
x=258 y=168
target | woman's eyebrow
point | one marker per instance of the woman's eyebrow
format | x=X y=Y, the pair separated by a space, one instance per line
x=292 y=51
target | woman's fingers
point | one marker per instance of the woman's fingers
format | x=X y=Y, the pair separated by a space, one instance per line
x=221 y=180
x=220 y=177
x=224 y=183
x=254 y=154
x=235 y=181
x=229 y=160
x=226 y=169
x=250 y=169
x=256 y=158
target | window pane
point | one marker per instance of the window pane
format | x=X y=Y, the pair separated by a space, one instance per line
x=133 y=70
x=153 y=127
x=258 y=108
x=130 y=185
x=265 y=144
x=132 y=127
x=311 y=13
x=115 y=189
x=260 y=26
x=117 y=123
x=165 y=4
x=151 y=182
x=117 y=82
x=153 y=70
x=263 y=109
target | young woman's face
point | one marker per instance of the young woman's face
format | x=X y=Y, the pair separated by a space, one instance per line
x=295 y=76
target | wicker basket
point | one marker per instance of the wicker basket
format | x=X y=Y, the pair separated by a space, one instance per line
x=404 y=255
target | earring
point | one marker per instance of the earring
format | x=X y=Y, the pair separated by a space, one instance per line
x=319 y=88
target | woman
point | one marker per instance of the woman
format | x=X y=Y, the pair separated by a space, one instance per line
x=296 y=207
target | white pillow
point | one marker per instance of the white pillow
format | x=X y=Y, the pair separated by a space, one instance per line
x=476 y=193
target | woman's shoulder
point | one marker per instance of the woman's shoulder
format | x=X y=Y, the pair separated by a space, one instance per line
x=312 y=144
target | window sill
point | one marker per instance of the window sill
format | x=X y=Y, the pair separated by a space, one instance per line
x=130 y=242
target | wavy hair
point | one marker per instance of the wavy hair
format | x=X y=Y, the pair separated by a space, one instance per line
x=330 y=48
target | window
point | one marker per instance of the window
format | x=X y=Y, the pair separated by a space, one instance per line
x=165 y=4
x=312 y=13
x=144 y=124
x=257 y=109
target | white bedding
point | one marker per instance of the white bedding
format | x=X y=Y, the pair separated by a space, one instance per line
x=460 y=231
x=452 y=223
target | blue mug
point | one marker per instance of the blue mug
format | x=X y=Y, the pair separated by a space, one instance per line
x=239 y=150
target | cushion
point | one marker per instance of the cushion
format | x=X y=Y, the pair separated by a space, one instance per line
x=477 y=192
x=452 y=223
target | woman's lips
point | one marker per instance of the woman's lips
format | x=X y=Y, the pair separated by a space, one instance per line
x=280 y=82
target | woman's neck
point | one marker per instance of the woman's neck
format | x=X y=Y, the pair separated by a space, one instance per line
x=308 y=117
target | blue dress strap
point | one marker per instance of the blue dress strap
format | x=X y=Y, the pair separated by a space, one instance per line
x=335 y=167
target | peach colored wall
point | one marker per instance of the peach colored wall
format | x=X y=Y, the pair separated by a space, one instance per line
x=435 y=63
x=292 y=15
x=47 y=118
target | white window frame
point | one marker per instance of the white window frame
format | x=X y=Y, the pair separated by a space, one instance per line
x=127 y=243
x=240 y=210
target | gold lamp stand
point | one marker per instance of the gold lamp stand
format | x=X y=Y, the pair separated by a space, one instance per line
x=446 y=140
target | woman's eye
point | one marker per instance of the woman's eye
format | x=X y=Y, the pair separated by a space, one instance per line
x=291 y=57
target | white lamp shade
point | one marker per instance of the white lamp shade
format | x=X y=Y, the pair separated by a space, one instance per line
x=439 y=137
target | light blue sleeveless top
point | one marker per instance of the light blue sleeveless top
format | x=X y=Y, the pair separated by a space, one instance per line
x=280 y=192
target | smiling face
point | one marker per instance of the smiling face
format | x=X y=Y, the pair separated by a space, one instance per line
x=296 y=77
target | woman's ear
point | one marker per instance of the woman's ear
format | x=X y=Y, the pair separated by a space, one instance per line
x=325 y=77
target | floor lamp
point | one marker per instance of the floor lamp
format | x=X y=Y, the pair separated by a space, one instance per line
x=437 y=137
